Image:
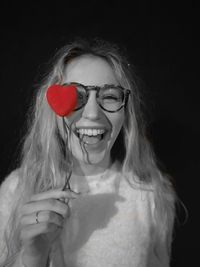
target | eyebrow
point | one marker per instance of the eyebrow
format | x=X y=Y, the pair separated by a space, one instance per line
x=106 y=84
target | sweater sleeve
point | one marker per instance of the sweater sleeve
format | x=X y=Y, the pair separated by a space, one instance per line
x=163 y=240
x=7 y=190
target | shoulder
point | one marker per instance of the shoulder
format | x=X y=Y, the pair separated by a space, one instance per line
x=10 y=182
x=7 y=191
x=156 y=191
x=7 y=199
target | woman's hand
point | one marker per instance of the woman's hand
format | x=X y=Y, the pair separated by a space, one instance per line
x=42 y=219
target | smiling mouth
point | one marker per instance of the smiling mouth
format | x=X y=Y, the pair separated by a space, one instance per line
x=90 y=139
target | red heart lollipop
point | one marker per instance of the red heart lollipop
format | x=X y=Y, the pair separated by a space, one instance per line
x=62 y=98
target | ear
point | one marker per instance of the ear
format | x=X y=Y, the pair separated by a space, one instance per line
x=62 y=99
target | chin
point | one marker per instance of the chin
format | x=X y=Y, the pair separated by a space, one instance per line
x=92 y=158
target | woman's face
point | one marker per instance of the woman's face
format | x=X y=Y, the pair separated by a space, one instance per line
x=92 y=152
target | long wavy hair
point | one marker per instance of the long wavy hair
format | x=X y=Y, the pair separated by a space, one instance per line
x=45 y=159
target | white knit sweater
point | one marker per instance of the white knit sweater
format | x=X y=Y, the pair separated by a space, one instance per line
x=109 y=226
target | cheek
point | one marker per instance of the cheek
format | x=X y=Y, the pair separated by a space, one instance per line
x=72 y=119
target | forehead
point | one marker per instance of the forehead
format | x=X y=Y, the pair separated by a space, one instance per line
x=89 y=70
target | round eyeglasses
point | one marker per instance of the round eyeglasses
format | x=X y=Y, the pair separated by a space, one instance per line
x=110 y=97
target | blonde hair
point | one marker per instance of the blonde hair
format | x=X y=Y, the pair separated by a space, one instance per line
x=44 y=160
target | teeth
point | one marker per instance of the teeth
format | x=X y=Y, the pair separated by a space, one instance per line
x=90 y=132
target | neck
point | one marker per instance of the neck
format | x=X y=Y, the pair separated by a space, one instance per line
x=81 y=176
x=81 y=169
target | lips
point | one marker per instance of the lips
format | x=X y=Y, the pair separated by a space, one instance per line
x=102 y=136
x=78 y=133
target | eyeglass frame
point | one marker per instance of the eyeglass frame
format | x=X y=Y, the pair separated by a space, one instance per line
x=97 y=89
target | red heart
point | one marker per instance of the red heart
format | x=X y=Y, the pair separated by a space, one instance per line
x=62 y=98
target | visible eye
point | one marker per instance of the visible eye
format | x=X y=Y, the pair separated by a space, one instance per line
x=111 y=97
x=111 y=93
x=81 y=96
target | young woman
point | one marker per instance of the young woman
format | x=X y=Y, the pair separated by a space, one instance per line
x=88 y=191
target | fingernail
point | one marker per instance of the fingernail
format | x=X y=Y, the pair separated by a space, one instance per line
x=77 y=193
x=73 y=193
x=62 y=199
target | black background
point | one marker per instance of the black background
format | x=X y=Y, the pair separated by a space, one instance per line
x=161 y=40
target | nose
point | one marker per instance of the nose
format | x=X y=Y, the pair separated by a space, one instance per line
x=91 y=109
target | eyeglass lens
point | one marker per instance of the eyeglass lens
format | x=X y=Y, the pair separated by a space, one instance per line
x=110 y=98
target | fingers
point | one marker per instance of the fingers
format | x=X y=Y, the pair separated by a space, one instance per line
x=31 y=231
x=51 y=208
x=56 y=193
x=51 y=204
x=48 y=224
x=53 y=200
x=43 y=217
